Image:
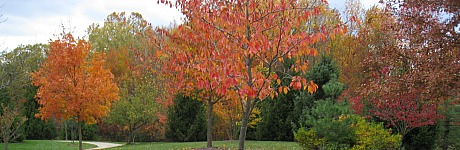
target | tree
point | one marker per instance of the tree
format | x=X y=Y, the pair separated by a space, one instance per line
x=449 y=126
x=18 y=64
x=186 y=120
x=16 y=67
x=410 y=70
x=281 y=116
x=404 y=111
x=11 y=119
x=122 y=37
x=253 y=36
x=137 y=110
x=73 y=85
x=206 y=80
x=325 y=71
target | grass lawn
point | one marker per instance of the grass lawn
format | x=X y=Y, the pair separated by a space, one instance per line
x=45 y=145
x=250 y=145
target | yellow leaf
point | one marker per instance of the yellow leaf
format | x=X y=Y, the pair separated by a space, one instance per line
x=278 y=81
x=285 y=90
x=312 y=87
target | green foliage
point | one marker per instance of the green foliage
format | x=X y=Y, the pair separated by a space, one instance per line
x=281 y=115
x=186 y=120
x=323 y=72
x=348 y=132
x=19 y=64
x=448 y=128
x=308 y=139
x=16 y=90
x=16 y=67
x=121 y=37
x=276 y=117
x=136 y=108
x=333 y=88
x=372 y=135
x=37 y=129
x=421 y=138
x=90 y=132
x=323 y=118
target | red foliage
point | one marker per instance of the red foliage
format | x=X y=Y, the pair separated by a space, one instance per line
x=404 y=111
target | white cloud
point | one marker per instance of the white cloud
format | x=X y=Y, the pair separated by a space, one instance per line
x=31 y=22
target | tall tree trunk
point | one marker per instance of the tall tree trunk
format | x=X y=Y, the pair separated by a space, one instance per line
x=80 y=136
x=209 y=124
x=72 y=134
x=244 y=127
x=65 y=130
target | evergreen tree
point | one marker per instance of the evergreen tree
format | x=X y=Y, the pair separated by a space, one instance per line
x=186 y=120
x=281 y=115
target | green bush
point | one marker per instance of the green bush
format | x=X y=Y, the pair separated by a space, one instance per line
x=331 y=125
x=323 y=119
x=309 y=139
x=371 y=135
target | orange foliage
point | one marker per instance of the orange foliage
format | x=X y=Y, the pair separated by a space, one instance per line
x=235 y=46
x=73 y=85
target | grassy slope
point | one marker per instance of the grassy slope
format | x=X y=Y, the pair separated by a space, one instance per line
x=45 y=145
x=258 y=145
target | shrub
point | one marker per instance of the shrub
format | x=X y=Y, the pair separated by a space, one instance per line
x=308 y=139
x=371 y=135
x=328 y=130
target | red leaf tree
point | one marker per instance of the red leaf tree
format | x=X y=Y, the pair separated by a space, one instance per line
x=417 y=69
x=231 y=49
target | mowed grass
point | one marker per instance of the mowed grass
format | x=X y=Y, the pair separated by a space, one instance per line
x=249 y=145
x=45 y=145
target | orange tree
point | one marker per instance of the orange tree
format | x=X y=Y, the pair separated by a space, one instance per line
x=74 y=85
x=233 y=48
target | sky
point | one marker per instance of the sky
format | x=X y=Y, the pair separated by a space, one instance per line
x=38 y=21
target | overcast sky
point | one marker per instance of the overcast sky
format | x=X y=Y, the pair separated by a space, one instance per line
x=36 y=21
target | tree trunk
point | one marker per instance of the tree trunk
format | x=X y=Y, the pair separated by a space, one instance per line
x=72 y=134
x=244 y=127
x=6 y=144
x=65 y=130
x=445 y=134
x=80 y=136
x=130 y=134
x=209 y=124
